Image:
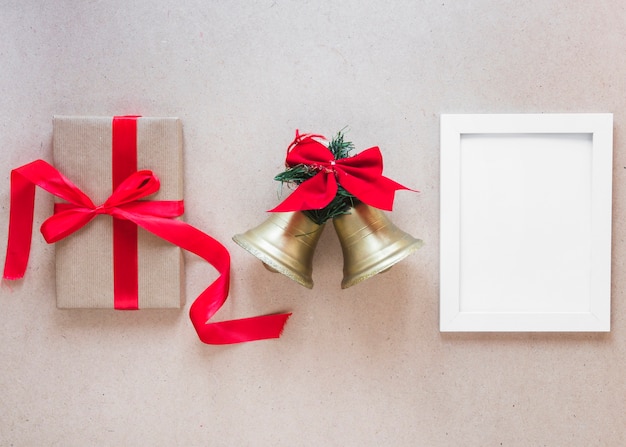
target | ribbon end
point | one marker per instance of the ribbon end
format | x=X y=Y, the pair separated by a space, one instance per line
x=243 y=330
x=286 y=318
x=11 y=277
x=5 y=283
x=13 y=273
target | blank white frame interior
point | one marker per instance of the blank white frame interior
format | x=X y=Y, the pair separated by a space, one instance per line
x=526 y=222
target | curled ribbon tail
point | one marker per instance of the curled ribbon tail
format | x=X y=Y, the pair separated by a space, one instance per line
x=213 y=297
x=23 y=182
x=256 y=328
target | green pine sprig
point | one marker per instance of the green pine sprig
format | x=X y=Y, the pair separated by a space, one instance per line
x=339 y=147
x=342 y=201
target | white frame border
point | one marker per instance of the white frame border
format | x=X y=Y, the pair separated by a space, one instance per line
x=597 y=319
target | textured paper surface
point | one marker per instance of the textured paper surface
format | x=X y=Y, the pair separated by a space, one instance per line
x=84 y=260
x=359 y=367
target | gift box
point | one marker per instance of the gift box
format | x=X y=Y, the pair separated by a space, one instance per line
x=112 y=222
x=107 y=260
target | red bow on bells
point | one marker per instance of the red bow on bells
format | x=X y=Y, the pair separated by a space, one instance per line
x=361 y=175
x=153 y=216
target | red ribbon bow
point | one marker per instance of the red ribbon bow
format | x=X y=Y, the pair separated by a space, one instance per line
x=153 y=216
x=361 y=175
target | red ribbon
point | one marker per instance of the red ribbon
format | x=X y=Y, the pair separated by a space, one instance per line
x=153 y=216
x=361 y=175
x=125 y=260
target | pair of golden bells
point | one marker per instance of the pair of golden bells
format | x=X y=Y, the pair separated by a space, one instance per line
x=336 y=184
x=370 y=243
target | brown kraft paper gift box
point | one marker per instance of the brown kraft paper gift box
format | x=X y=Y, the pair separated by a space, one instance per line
x=84 y=260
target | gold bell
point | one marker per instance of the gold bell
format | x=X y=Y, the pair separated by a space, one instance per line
x=285 y=243
x=371 y=243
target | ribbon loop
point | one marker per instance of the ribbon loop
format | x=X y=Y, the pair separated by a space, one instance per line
x=136 y=186
x=72 y=216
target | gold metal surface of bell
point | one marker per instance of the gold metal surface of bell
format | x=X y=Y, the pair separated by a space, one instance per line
x=285 y=243
x=371 y=243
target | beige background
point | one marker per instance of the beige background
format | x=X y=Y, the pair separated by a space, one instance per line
x=366 y=366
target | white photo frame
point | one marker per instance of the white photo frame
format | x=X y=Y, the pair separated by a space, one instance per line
x=526 y=222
